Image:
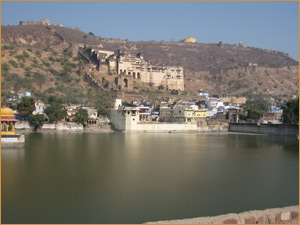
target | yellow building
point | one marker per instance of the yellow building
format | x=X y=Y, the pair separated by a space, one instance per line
x=200 y=114
x=189 y=40
x=7 y=121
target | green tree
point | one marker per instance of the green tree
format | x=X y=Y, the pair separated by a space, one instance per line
x=256 y=106
x=161 y=87
x=81 y=116
x=291 y=112
x=55 y=110
x=36 y=120
x=26 y=106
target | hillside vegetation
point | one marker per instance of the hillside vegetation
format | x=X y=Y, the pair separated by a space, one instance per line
x=43 y=72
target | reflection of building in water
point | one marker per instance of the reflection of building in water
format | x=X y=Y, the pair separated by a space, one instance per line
x=130 y=68
x=8 y=136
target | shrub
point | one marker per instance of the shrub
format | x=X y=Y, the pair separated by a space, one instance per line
x=27 y=73
x=4 y=68
x=53 y=51
x=52 y=71
x=12 y=52
x=64 y=77
x=106 y=84
x=51 y=90
x=8 y=47
x=45 y=63
x=13 y=63
x=67 y=53
x=174 y=92
x=12 y=77
x=38 y=53
x=67 y=69
x=51 y=59
x=28 y=68
x=20 y=58
x=161 y=87
x=39 y=78
x=25 y=54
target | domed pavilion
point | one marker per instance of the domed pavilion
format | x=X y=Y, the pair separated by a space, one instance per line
x=8 y=121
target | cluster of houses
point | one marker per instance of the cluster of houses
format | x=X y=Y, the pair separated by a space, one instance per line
x=71 y=109
x=16 y=97
x=167 y=111
x=178 y=111
x=226 y=109
x=171 y=114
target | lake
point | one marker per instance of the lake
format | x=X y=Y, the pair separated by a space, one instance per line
x=142 y=177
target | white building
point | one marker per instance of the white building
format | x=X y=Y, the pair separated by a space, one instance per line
x=211 y=102
x=138 y=119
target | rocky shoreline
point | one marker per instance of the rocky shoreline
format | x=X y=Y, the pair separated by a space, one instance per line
x=285 y=215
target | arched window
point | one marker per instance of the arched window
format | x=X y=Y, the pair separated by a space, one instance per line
x=125 y=83
x=120 y=71
x=129 y=73
x=133 y=75
x=138 y=76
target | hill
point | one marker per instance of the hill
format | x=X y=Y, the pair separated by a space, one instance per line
x=219 y=68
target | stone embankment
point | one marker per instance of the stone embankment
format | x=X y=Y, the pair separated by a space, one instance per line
x=54 y=126
x=286 y=215
x=102 y=127
x=272 y=129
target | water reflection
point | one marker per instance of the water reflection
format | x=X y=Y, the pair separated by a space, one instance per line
x=138 y=177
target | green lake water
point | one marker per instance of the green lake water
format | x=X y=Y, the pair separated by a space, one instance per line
x=140 y=177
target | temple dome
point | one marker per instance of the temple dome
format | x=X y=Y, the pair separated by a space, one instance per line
x=7 y=112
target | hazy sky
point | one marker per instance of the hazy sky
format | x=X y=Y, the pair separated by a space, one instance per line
x=268 y=25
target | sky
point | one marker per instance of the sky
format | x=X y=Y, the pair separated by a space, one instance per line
x=270 y=25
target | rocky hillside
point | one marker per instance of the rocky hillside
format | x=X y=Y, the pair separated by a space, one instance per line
x=217 y=68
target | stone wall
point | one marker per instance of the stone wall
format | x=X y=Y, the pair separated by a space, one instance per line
x=48 y=126
x=16 y=140
x=213 y=128
x=23 y=126
x=68 y=127
x=273 y=129
x=286 y=215
x=164 y=127
x=51 y=126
